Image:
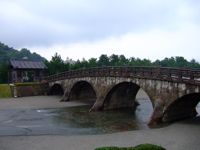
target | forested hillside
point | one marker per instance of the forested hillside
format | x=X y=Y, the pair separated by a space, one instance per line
x=7 y=53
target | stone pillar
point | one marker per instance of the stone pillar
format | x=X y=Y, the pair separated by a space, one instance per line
x=98 y=105
x=65 y=97
x=157 y=114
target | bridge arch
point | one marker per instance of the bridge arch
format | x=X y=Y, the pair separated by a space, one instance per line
x=82 y=90
x=181 y=108
x=122 y=95
x=56 y=89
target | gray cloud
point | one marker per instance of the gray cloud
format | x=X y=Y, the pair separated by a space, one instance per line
x=49 y=22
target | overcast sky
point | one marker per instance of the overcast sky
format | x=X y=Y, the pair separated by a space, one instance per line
x=151 y=29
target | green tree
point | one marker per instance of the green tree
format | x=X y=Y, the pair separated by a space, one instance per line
x=114 y=60
x=194 y=64
x=92 y=62
x=56 y=65
x=181 y=62
x=76 y=65
x=103 y=61
x=4 y=73
x=122 y=60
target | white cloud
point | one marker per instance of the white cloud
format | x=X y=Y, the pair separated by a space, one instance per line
x=154 y=44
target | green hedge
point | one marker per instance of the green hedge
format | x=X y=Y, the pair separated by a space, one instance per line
x=5 y=91
x=138 y=147
x=149 y=147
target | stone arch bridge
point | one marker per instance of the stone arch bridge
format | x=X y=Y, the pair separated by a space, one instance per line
x=174 y=93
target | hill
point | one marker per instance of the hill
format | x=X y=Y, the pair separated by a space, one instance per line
x=7 y=53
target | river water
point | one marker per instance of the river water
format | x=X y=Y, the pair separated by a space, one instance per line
x=104 y=121
x=74 y=120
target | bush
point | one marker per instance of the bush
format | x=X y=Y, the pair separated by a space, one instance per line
x=148 y=147
x=138 y=147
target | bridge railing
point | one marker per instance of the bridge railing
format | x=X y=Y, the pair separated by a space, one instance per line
x=191 y=76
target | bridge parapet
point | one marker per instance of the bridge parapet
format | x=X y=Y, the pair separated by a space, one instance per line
x=188 y=76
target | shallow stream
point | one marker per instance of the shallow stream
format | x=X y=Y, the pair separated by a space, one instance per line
x=73 y=120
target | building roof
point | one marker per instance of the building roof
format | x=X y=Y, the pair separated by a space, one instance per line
x=26 y=64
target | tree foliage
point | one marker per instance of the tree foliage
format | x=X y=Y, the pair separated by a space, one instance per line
x=4 y=73
x=7 y=53
x=56 y=64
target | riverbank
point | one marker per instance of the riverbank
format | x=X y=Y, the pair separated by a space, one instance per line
x=36 y=102
x=177 y=136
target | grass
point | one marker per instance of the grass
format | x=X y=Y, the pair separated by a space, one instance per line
x=33 y=88
x=5 y=91
x=138 y=147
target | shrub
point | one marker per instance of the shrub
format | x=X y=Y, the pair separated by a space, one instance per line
x=138 y=147
x=148 y=147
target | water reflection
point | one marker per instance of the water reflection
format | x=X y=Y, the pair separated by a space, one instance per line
x=198 y=109
x=105 y=121
x=76 y=120
x=73 y=120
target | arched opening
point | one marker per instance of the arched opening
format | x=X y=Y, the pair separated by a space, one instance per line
x=83 y=91
x=56 y=89
x=182 y=108
x=134 y=99
x=145 y=108
x=121 y=95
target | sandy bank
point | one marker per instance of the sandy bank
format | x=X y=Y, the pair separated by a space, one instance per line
x=181 y=136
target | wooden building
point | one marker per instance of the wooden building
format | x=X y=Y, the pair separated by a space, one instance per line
x=26 y=71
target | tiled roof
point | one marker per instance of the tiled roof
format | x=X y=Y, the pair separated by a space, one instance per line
x=25 y=64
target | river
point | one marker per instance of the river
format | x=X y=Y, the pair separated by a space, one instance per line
x=76 y=120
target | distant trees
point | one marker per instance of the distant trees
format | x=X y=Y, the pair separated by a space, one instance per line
x=178 y=62
x=7 y=53
x=103 y=61
x=56 y=64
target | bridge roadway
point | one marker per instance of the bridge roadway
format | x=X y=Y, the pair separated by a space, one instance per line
x=174 y=93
